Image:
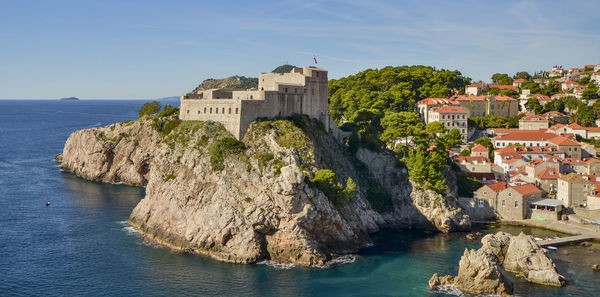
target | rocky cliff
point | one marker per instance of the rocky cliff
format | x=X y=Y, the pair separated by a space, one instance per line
x=239 y=202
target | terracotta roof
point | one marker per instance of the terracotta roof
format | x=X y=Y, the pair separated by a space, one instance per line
x=503 y=87
x=512 y=161
x=497 y=187
x=534 y=117
x=540 y=97
x=504 y=98
x=574 y=178
x=560 y=140
x=526 y=135
x=530 y=149
x=576 y=126
x=471 y=159
x=479 y=148
x=518 y=80
x=449 y=109
x=437 y=101
x=526 y=189
x=548 y=173
x=570 y=82
x=479 y=85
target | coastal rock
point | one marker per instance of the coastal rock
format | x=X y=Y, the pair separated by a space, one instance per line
x=119 y=153
x=436 y=281
x=524 y=256
x=479 y=273
x=256 y=201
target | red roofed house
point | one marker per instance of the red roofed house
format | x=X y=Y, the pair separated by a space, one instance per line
x=452 y=117
x=557 y=117
x=571 y=148
x=547 y=180
x=425 y=105
x=505 y=87
x=475 y=89
x=486 y=196
x=518 y=82
x=479 y=150
x=567 y=85
x=542 y=99
x=513 y=202
x=523 y=137
x=533 y=122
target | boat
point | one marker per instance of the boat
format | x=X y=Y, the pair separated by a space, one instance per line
x=552 y=248
x=537 y=239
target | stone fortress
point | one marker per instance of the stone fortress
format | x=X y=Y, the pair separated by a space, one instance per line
x=301 y=91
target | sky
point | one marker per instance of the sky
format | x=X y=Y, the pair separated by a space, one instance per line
x=151 y=49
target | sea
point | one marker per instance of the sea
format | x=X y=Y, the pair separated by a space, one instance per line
x=81 y=244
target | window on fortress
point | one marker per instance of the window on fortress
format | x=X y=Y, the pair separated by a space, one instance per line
x=236 y=110
x=211 y=110
x=217 y=110
x=223 y=110
x=198 y=112
x=230 y=110
x=205 y=110
x=286 y=90
x=188 y=111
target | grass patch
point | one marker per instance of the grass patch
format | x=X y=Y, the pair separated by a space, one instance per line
x=169 y=177
x=263 y=159
x=221 y=148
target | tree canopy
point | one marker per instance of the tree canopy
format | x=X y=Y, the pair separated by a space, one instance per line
x=502 y=79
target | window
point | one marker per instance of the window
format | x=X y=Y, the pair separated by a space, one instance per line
x=223 y=110
x=188 y=111
x=509 y=194
x=230 y=110
x=217 y=110
x=286 y=90
x=312 y=91
x=517 y=203
x=205 y=110
x=503 y=203
x=480 y=202
x=198 y=112
x=211 y=110
x=484 y=192
x=236 y=110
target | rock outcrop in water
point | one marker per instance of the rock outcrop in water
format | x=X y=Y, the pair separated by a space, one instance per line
x=243 y=202
x=481 y=271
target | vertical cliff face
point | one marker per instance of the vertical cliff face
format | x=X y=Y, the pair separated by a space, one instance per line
x=208 y=194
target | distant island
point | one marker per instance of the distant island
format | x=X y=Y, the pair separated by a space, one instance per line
x=69 y=99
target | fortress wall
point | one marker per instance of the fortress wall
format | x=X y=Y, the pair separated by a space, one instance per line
x=269 y=81
x=225 y=111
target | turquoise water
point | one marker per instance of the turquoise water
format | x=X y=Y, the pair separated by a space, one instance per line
x=80 y=245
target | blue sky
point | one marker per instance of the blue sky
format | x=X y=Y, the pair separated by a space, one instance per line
x=151 y=49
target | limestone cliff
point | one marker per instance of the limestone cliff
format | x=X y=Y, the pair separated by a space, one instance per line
x=243 y=202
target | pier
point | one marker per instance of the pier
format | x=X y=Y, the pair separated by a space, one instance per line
x=566 y=240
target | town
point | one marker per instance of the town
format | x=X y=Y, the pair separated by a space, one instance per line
x=546 y=167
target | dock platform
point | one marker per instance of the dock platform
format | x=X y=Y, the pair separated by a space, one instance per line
x=566 y=240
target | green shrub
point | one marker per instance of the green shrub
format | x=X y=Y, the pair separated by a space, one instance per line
x=278 y=164
x=149 y=108
x=169 y=126
x=169 y=177
x=263 y=159
x=221 y=148
x=168 y=111
x=326 y=182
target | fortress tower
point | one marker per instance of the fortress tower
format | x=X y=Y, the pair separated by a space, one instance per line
x=301 y=91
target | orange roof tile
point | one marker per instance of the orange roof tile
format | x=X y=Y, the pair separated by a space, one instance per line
x=526 y=189
x=479 y=148
x=560 y=140
x=437 y=101
x=532 y=135
x=497 y=187
x=548 y=173
x=503 y=87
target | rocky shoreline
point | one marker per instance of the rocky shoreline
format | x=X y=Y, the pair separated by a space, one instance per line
x=253 y=201
x=483 y=271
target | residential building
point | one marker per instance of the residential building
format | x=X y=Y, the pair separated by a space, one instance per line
x=557 y=117
x=425 y=105
x=480 y=106
x=513 y=202
x=568 y=85
x=487 y=195
x=572 y=189
x=479 y=150
x=475 y=89
x=518 y=82
x=533 y=122
x=452 y=117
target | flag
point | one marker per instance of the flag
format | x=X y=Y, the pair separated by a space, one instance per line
x=315 y=59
